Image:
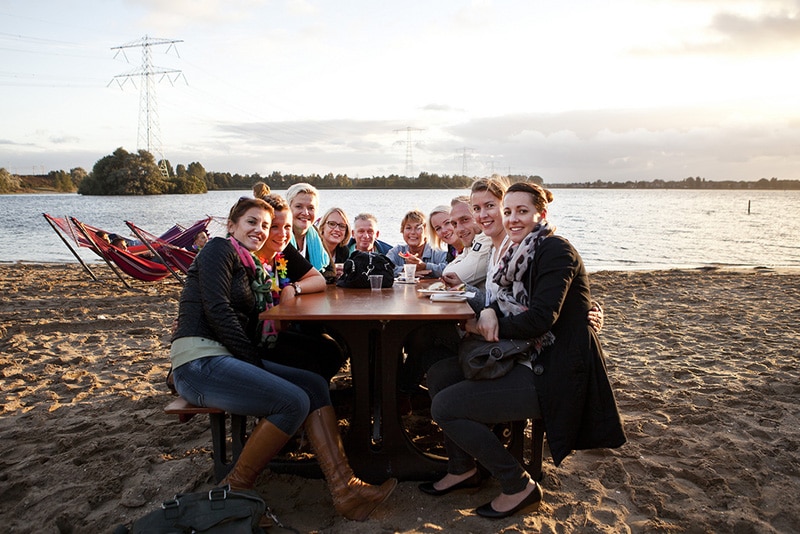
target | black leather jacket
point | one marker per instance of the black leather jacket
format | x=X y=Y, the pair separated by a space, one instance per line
x=217 y=302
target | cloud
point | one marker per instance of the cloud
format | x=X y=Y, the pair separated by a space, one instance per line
x=63 y=139
x=768 y=33
x=441 y=107
x=775 y=29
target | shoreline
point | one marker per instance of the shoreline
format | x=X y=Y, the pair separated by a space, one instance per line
x=780 y=269
x=703 y=361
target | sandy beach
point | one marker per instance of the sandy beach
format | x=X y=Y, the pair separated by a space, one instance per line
x=704 y=364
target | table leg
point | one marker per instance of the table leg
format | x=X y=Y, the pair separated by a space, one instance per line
x=377 y=444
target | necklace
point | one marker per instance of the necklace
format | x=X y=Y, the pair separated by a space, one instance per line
x=279 y=273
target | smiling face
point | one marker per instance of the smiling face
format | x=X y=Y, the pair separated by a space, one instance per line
x=251 y=228
x=304 y=212
x=334 y=230
x=440 y=222
x=365 y=233
x=520 y=216
x=280 y=232
x=486 y=208
x=463 y=223
x=414 y=234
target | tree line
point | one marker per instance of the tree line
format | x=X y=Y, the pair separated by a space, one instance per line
x=128 y=173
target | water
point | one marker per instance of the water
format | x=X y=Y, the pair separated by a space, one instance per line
x=612 y=229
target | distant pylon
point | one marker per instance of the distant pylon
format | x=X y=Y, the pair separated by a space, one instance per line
x=409 y=158
x=149 y=133
x=464 y=159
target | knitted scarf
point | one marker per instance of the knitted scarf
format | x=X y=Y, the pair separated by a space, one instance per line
x=512 y=295
x=315 y=249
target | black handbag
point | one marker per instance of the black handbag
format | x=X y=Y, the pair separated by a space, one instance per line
x=218 y=511
x=360 y=265
x=484 y=360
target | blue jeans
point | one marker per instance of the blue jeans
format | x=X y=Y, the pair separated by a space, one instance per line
x=466 y=409
x=282 y=395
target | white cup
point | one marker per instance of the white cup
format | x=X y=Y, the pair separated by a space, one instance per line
x=409 y=271
x=375 y=281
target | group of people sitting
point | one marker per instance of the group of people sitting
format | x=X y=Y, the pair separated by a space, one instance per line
x=529 y=283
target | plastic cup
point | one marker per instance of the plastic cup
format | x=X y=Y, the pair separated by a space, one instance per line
x=409 y=271
x=375 y=281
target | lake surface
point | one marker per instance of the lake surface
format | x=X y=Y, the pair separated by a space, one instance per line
x=612 y=229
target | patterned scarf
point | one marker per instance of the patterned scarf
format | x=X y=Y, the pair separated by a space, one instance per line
x=260 y=283
x=512 y=295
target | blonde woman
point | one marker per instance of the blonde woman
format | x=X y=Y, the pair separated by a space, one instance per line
x=336 y=233
x=429 y=260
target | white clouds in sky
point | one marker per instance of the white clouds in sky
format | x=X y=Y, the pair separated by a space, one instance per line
x=620 y=90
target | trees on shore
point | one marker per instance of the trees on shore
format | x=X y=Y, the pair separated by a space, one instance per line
x=124 y=173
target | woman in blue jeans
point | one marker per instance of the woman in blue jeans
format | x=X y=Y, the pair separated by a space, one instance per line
x=542 y=295
x=215 y=360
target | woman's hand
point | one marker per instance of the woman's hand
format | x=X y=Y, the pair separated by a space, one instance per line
x=488 y=326
x=288 y=292
x=451 y=279
x=595 y=317
x=411 y=258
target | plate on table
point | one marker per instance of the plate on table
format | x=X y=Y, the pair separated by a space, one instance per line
x=402 y=280
x=449 y=296
x=441 y=292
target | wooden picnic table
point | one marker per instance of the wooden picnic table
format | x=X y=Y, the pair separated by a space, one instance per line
x=375 y=324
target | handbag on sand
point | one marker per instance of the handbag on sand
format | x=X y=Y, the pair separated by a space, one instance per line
x=484 y=360
x=220 y=510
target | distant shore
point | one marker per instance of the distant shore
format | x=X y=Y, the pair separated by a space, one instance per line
x=704 y=364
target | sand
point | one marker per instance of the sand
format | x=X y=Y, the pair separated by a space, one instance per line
x=704 y=364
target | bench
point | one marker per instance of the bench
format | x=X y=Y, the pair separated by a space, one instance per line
x=219 y=437
x=309 y=468
x=517 y=445
x=527 y=451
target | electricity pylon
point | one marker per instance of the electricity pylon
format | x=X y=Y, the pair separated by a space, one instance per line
x=149 y=133
x=409 y=145
x=464 y=158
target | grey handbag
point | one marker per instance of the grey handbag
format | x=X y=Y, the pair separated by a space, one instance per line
x=484 y=360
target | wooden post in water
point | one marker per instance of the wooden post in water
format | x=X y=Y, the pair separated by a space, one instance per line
x=748 y=207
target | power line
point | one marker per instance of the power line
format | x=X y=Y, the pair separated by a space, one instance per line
x=464 y=159
x=149 y=132
x=409 y=158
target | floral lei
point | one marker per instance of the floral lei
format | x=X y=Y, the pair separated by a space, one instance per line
x=281 y=269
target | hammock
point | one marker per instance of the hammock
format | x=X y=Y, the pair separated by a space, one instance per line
x=166 y=253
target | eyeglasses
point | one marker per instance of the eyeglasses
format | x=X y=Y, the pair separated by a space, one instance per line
x=334 y=225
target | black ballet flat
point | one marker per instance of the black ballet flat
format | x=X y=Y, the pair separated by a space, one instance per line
x=529 y=504
x=470 y=483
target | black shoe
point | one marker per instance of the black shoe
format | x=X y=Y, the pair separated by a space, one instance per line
x=470 y=483
x=529 y=504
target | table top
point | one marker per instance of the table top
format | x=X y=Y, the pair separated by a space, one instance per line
x=399 y=302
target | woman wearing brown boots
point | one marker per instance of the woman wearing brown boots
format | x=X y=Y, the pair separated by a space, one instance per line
x=215 y=363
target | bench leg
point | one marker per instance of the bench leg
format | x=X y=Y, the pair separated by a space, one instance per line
x=517 y=446
x=219 y=444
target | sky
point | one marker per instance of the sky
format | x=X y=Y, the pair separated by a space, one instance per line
x=571 y=91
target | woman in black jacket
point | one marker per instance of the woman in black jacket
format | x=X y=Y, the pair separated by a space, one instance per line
x=216 y=363
x=543 y=296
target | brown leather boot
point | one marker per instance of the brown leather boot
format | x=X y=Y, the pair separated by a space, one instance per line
x=263 y=444
x=352 y=497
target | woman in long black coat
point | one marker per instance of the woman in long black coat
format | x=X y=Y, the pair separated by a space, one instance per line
x=544 y=296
